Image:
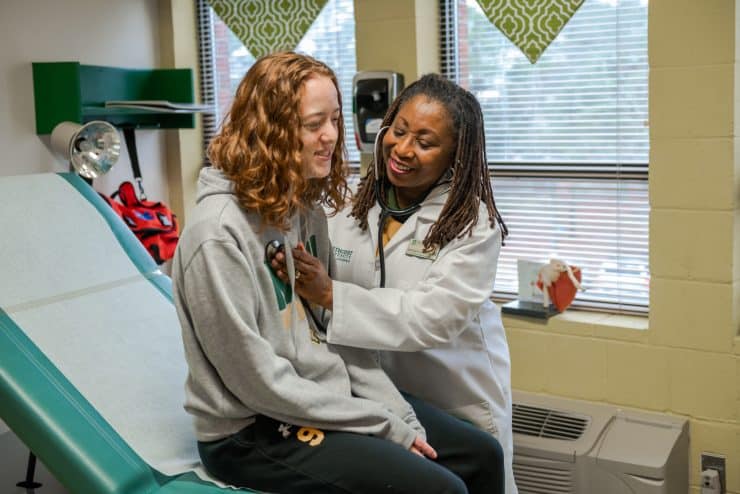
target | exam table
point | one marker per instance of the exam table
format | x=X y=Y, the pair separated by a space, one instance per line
x=92 y=369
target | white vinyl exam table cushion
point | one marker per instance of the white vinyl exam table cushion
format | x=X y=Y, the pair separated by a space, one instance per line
x=92 y=369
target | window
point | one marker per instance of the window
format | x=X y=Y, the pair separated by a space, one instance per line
x=567 y=143
x=225 y=60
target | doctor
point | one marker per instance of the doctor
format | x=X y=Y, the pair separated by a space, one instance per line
x=416 y=261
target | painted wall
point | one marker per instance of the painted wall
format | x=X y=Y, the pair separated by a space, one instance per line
x=94 y=32
x=412 y=50
x=179 y=48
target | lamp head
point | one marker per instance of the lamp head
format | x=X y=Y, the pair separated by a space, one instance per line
x=92 y=148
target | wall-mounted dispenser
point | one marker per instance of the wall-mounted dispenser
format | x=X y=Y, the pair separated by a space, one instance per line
x=372 y=95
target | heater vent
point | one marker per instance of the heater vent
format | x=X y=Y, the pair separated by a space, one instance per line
x=543 y=422
x=539 y=479
x=565 y=446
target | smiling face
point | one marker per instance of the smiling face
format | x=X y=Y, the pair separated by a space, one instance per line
x=319 y=113
x=418 y=148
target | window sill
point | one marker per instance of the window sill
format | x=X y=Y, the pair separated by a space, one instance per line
x=585 y=323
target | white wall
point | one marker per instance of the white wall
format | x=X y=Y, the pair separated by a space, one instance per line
x=119 y=33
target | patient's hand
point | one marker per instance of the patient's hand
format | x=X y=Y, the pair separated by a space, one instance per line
x=312 y=282
x=422 y=448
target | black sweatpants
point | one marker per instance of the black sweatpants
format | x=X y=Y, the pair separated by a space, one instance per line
x=282 y=458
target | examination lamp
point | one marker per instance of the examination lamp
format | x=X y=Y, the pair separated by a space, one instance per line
x=92 y=148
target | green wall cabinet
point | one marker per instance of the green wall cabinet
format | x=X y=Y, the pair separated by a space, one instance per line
x=70 y=91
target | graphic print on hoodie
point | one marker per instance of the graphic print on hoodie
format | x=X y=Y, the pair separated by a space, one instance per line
x=284 y=296
x=249 y=354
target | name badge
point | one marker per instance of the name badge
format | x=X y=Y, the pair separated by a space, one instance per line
x=416 y=249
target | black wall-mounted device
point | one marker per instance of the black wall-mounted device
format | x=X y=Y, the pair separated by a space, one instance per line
x=372 y=95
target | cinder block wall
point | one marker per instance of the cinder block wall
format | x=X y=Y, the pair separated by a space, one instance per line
x=684 y=358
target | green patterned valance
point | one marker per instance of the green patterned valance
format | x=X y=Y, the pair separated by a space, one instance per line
x=267 y=26
x=530 y=24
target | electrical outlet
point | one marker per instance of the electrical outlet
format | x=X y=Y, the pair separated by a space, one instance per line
x=716 y=462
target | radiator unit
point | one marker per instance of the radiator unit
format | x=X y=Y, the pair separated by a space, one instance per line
x=577 y=447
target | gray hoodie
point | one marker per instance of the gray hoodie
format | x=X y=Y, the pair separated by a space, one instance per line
x=249 y=345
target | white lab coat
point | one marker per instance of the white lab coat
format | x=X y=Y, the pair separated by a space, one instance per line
x=442 y=336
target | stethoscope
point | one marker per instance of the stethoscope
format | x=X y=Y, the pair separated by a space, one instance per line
x=271 y=249
x=274 y=246
x=385 y=209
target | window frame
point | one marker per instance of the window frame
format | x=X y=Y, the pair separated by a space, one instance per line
x=598 y=172
x=209 y=84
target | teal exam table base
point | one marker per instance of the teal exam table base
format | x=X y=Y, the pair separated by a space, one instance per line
x=92 y=369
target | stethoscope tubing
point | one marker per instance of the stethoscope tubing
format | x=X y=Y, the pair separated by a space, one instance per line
x=386 y=210
x=379 y=196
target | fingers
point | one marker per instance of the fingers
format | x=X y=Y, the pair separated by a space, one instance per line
x=277 y=263
x=305 y=262
x=307 y=267
x=424 y=448
x=310 y=278
x=304 y=271
x=301 y=255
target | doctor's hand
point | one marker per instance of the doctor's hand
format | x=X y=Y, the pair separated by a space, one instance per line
x=312 y=282
x=422 y=448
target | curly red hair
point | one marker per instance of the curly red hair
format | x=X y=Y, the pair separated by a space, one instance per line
x=259 y=146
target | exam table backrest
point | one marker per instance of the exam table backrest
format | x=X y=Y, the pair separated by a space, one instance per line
x=92 y=369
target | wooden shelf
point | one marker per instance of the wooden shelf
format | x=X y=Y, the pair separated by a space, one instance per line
x=70 y=91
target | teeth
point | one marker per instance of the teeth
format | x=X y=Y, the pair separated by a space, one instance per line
x=401 y=167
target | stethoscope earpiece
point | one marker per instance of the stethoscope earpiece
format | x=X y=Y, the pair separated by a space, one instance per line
x=375 y=149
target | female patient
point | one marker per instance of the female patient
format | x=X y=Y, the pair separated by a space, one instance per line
x=276 y=407
x=421 y=291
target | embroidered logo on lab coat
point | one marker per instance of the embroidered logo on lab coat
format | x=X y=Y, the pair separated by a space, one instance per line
x=342 y=255
x=416 y=249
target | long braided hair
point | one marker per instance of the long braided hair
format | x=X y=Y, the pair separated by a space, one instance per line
x=470 y=181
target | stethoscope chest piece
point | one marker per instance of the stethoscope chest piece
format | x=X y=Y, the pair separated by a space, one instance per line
x=272 y=248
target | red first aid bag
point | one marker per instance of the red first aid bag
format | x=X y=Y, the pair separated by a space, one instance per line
x=152 y=222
